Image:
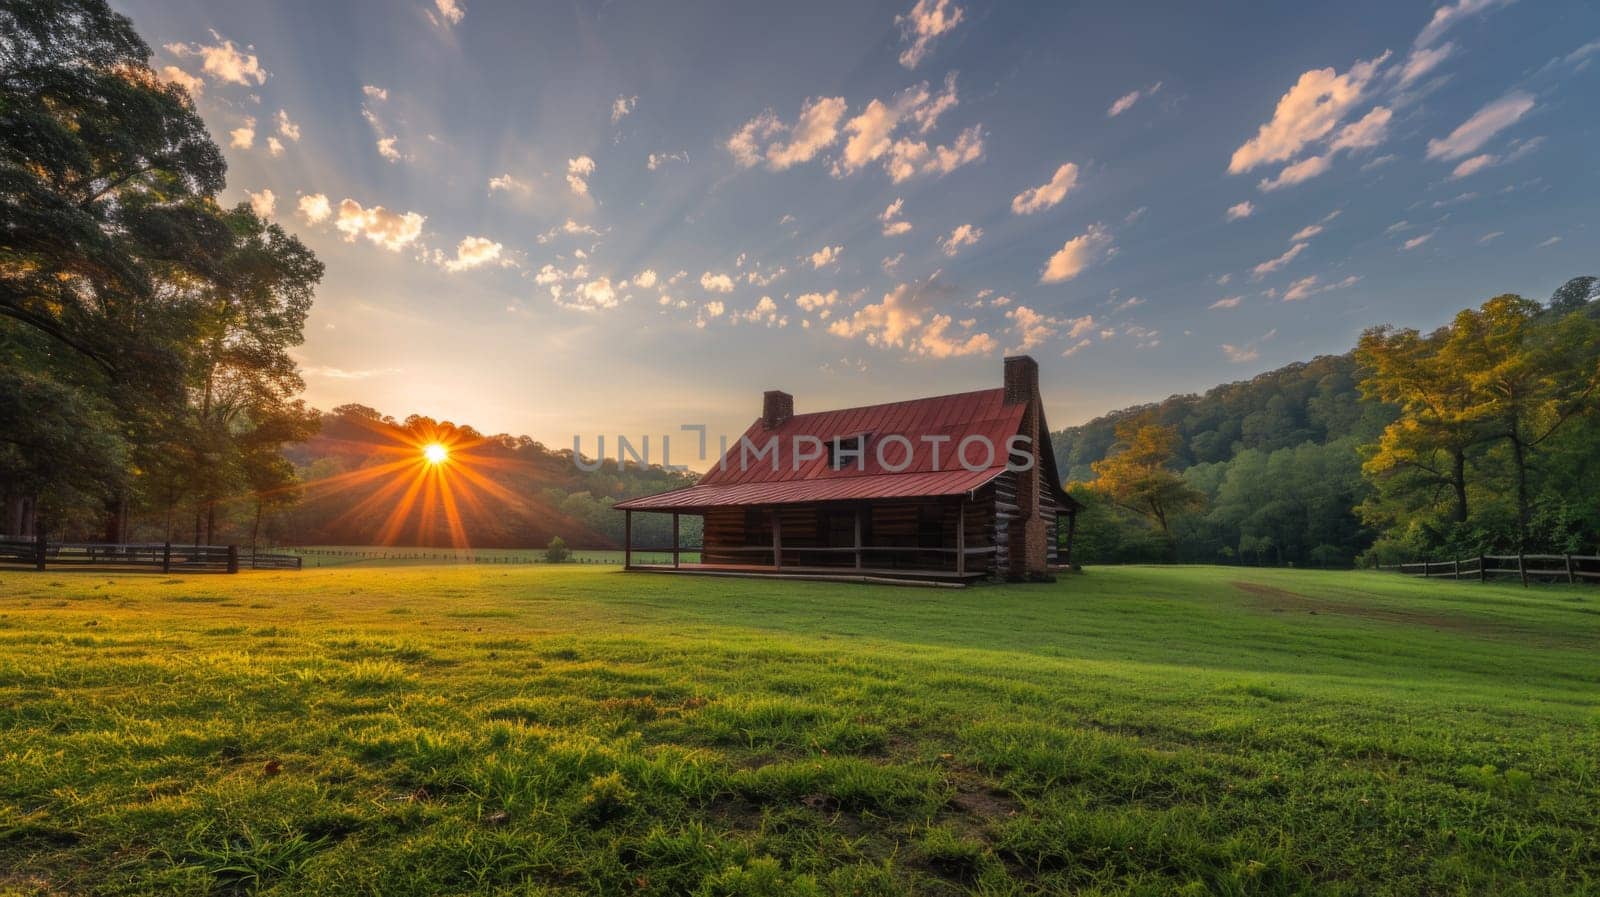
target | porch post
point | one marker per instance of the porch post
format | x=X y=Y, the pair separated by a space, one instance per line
x=961 y=538
x=627 y=539
x=858 y=537
x=777 y=540
x=674 y=539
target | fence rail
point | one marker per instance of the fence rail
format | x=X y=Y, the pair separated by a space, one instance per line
x=142 y=556
x=1569 y=567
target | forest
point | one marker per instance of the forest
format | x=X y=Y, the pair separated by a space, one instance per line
x=1479 y=436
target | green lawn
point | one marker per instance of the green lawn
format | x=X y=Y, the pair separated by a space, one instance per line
x=576 y=730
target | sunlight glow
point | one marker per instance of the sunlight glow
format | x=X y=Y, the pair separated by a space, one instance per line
x=435 y=452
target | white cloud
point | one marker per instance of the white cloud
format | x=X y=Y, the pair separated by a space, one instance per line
x=451 y=12
x=964 y=235
x=716 y=283
x=645 y=279
x=1271 y=265
x=891 y=226
x=571 y=228
x=1550 y=242
x=761 y=279
x=386 y=149
x=375 y=93
x=1241 y=210
x=815 y=130
x=263 y=203
x=1490 y=237
x=171 y=74
x=286 y=127
x=1422 y=61
x=474 y=252
x=391 y=230
x=1308 y=112
x=274 y=147
x=656 y=160
x=314 y=208
x=922 y=25
x=1306 y=233
x=1416 y=241
x=223 y=61
x=621 y=106
x=508 y=183
x=903 y=321
x=1031 y=328
x=1446 y=16
x=244 y=136
x=764 y=312
x=1037 y=199
x=815 y=301
x=908 y=158
x=595 y=295
x=1311 y=285
x=891 y=263
x=1473 y=165
x=825 y=256
x=871 y=133
x=1076 y=254
x=1227 y=302
x=1126 y=101
x=1303 y=170
x=1371 y=130
x=1240 y=354
x=1473 y=133
x=578 y=172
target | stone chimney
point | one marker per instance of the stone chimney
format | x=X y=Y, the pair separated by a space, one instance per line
x=1022 y=379
x=777 y=406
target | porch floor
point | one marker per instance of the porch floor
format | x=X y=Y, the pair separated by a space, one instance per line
x=900 y=575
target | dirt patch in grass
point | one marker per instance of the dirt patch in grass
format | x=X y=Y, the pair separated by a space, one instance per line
x=1279 y=600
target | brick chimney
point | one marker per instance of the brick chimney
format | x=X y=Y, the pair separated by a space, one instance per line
x=1028 y=533
x=777 y=406
x=1022 y=379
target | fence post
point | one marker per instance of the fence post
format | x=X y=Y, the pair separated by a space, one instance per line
x=233 y=559
x=1522 y=567
x=1458 y=566
x=1483 y=568
x=166 y=557
x=1570 y=578
x=1425 y=563
x=40 y=546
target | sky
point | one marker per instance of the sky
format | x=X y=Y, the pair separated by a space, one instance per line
x=562 y=219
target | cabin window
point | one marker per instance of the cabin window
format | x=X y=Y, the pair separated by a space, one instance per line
x=847 y=451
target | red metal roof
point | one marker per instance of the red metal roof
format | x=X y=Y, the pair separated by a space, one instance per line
x=777 y=480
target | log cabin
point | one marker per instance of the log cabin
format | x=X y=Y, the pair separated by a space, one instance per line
x=951 y=489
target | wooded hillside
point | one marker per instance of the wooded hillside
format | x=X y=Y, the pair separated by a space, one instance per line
x=1478 y=436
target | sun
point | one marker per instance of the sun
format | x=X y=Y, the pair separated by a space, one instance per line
x=435 y=453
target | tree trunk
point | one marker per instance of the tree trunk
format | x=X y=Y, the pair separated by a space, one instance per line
x=255 y=528
x=1519 y=455
x=1458 y=481
x=211 y=521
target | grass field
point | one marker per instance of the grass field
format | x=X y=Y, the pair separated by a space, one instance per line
x=576 y=730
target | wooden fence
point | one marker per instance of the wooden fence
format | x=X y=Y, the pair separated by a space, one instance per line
x=1541 y=567
x=141 y=557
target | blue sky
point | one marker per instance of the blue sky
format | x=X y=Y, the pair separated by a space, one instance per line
x=621 y=217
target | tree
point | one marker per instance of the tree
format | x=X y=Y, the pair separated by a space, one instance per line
x=1137 y=475
x=1574 y=295
x=556 y=552
x=1426 y=448
x=1528 y=377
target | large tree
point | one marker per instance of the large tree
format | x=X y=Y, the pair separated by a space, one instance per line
x=1138 y=475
